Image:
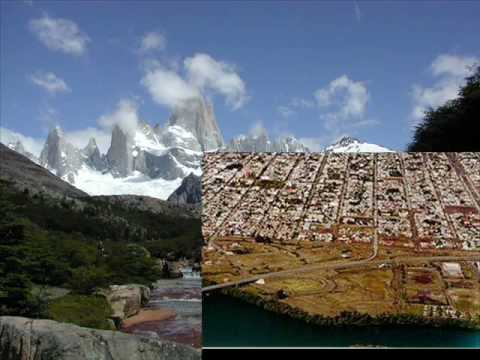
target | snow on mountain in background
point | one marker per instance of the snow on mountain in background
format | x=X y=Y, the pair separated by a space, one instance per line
x=95 y=183
x=260 y=142
x=153 y=160
x=145 y=160
x=351 y=145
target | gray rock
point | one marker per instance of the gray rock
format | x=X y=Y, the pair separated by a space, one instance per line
x=27 y=339
x=197 y=116
x=176 y=136
x=163 y=166
x=261 y=142
x=60 y=156
x=189 y=192
x=126 y=300
x=93 y=157
x=119 y=155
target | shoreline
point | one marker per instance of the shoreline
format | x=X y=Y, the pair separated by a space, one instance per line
x=348 y=318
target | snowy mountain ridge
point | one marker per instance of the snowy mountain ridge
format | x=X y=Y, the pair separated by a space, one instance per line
x=153 y=161
x=349 y=144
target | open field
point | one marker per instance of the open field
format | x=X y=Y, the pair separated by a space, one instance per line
x=378 y=234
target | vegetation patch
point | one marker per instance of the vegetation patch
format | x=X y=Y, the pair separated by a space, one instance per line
x=82 y=310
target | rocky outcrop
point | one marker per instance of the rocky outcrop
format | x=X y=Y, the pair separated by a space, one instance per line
x=27 y=339
x=126 y=300
x=163 y=166
x=189 y=192
x=92 y=155
x=60 y=156
x=197 y=117
x=119 y=155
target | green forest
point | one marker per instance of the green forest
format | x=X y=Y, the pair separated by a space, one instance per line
x=81 y=245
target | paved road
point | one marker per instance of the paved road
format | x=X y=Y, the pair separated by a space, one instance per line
x=337 y=265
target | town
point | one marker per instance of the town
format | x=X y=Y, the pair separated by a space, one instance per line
x=384 y=233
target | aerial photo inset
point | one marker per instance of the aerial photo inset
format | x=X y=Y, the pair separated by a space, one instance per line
x=346 y=239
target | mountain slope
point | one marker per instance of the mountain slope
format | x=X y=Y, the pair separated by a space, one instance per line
x=27 y=175
x=349 y=144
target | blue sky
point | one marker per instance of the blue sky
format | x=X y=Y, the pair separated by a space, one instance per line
x=317 y=70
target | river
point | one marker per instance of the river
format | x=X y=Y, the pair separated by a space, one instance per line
x=183 y=296
x=230 y=322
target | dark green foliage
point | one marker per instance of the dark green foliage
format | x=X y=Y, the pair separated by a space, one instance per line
x=82 y=245
x=88 y=311
x=453 y=127
x=86 y=279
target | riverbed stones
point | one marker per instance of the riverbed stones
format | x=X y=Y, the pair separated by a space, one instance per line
x=28 y=339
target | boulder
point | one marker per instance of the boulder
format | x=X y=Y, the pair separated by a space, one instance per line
x=30 y=339
x=126 y=300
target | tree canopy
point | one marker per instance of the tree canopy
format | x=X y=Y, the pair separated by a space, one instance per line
x=453 y=126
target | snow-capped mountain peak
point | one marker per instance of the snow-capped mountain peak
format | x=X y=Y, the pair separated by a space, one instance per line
x=349 y=144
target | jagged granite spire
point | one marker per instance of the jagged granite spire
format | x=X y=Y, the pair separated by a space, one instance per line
x=60 y=156
x=197 y=117
x=260 y=142
x=92 y=155
x=120 y=153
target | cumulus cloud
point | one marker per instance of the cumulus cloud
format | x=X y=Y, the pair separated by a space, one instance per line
x=201 y=75
x=350 y=97
x=153 y=41
x=60 y=35
x=449 y=72
x=50 y=82
x=125 y=116
x=31 y=144
x=205 y=72
x=167 y=87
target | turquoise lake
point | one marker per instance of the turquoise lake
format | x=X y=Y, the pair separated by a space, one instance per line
x=229 y=322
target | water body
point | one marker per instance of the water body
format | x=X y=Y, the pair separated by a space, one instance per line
x=231 y=322
x=182 y=295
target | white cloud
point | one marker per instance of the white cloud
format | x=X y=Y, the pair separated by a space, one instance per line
x=460 y=66
x=125 y=116
x=50 y=82
x=449 y=72
x=167 y=87
x=60 y=35
x=153 y=41
x=293 y=106
x=351 y=97
x=205 y=72
x=202 y=74
x=345 y=103
x=33 y=145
